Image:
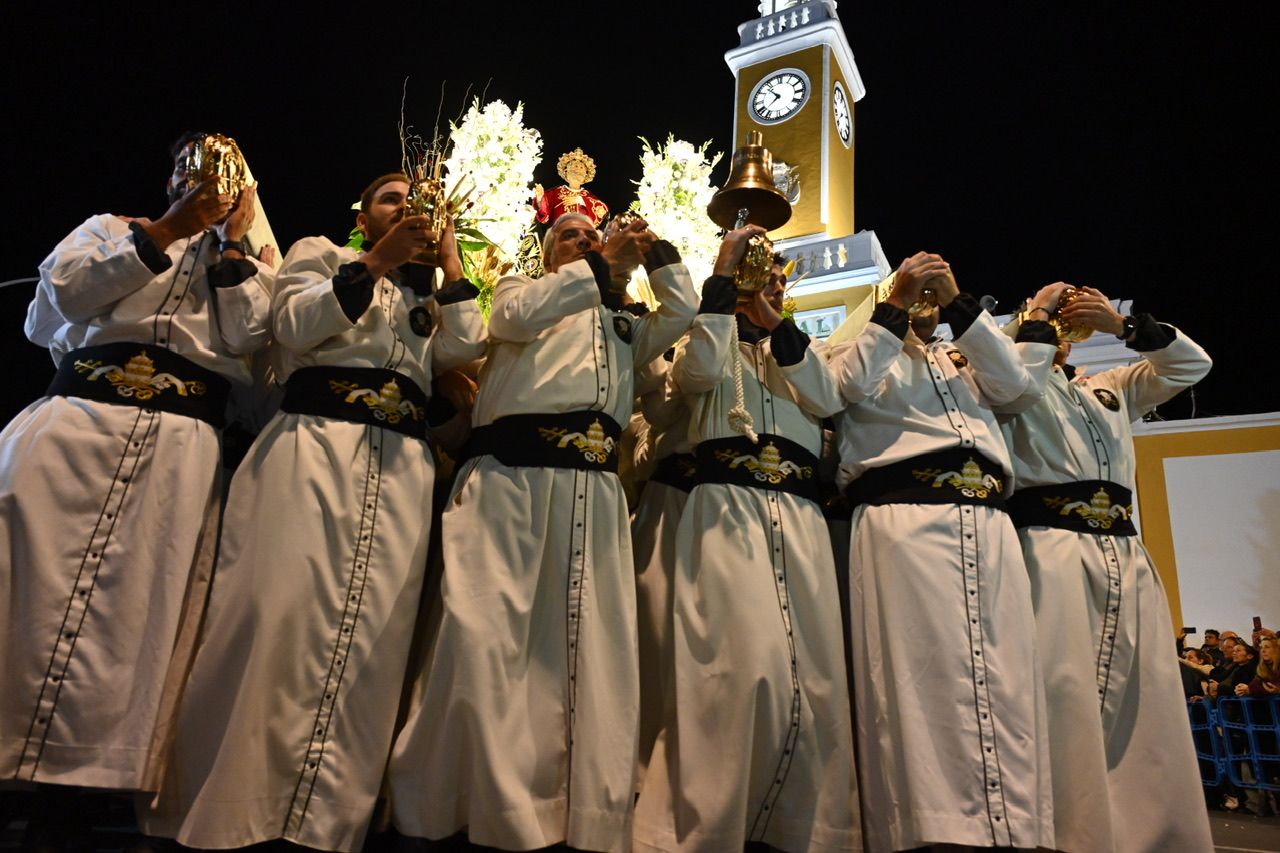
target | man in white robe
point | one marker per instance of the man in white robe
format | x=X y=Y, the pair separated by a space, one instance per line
x=287 y=719
x=758 y=745
x=668 y=457
x=949 y=706
x=109 y=485
x=523 y=722
x=1125 y=776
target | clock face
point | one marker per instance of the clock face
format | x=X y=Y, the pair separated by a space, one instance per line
x=779 y=96
x=840 y=110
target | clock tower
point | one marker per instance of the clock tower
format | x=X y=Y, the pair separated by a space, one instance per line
x=796 y=83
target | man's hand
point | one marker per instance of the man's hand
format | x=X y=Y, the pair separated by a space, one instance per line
x=194 y=212
x=912 y=275
x=458 y=389
x=1092 y=309
x=450 y=258
x=760 y=312
x=1242 y=690
x=626 y=249
x=1045 y=302
x=267 y=254
x=733 y=247
x=235 y=226
x=407 y=238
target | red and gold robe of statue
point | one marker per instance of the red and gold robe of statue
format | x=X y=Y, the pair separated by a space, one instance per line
x=556 y=202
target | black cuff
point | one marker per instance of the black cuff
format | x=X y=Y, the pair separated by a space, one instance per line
x=600 y=269
x=420 y=278
x=660 y=254
x=230 y=272
x=457 y=291
x=439 y=410
x=788 y=344
x=960 y=314
x=719 y=295
x=148 y=252
x=1037 y=332
x=893 y=318
x=233 y=246
x=354 y=288
x=639 y=309
x=1149 y=335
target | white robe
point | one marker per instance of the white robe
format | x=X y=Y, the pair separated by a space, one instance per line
x=286 y=722
x=758 y=746
x=653 y=542
x=949 y=706
x=1125 y=776
x=523 y=722
x=108 y=513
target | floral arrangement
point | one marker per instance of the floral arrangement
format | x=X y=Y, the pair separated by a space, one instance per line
x=497 y=154
x=672 y=196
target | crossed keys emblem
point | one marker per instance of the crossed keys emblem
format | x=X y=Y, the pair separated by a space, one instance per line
x=969 y=480
x=595 y=446
x=1098 y=512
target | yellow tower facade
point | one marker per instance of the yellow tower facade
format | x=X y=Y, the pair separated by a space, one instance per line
x=797 y=83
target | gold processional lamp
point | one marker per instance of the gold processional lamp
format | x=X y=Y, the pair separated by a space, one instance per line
x=1068 y=332
x=427 y=197
x=750 y=197
x=218 y=156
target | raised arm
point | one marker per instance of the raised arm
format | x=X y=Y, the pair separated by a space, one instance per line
x=1170 y=362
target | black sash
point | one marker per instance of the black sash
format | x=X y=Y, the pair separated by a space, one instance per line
x=145 y=376
x=1087 y=506
x=954 y=476
x=775 y=464
x=360 y=395
x=584 y=441
x=679 y=470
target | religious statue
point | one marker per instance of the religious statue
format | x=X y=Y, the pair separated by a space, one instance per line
x=577 y=169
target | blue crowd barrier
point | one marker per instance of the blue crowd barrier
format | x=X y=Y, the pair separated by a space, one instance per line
x=1238 y=739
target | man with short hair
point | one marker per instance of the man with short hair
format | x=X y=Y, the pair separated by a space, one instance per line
x=951 y=741
x=523 y=723
x=287 y=719
x=109 y=492
x=1115 y=708
x=757 y=745
x=1210 y=647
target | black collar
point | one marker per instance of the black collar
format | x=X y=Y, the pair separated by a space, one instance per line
x=749 y=332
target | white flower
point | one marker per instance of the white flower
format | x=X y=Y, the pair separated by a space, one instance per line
x=672 y=196
x=493 y=149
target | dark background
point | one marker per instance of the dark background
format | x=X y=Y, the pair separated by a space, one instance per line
x=1125 y=148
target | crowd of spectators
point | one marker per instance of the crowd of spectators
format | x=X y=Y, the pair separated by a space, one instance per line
x=1228 y=665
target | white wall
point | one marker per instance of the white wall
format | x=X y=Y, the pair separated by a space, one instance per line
x=1225 y=515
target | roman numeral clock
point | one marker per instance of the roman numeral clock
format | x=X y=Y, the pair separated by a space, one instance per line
x=796 y=83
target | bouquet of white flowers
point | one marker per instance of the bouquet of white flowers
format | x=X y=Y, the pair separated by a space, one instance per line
x=497 y=154
x=672 y=196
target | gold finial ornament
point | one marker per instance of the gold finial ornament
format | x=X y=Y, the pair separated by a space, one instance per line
x=217 y=156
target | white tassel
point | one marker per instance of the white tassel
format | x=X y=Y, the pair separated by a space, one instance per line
x=740 y=419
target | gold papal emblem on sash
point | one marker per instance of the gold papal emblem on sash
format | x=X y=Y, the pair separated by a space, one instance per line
x=969 y=480
x=1098 y=512
x=768 y=467
x=595 y=446
x=138 y=378
x=386 y=404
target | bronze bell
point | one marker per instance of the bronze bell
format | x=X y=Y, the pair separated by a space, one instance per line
x=750 y=187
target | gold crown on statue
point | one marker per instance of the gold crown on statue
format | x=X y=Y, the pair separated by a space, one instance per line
x=576 y=156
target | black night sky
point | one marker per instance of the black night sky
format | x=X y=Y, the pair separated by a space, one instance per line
x=1122 y=147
